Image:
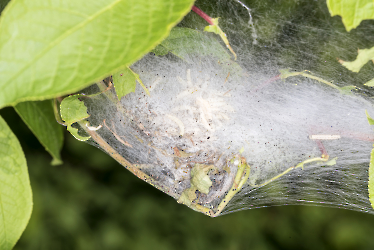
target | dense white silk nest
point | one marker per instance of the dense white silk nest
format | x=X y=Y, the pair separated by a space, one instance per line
x=202 y=110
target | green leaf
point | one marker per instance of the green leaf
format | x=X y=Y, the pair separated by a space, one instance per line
x=371 y=178
x=15 y=190
x=125 y=82
x=347 y=90
x=364 y=55
x=39 y=117
x=351 y=11
x=370 y=120
x=52 y=48
x=217 y=30
x=73 y=110
x=160 y=50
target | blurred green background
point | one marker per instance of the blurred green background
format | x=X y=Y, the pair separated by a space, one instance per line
x=92 y=202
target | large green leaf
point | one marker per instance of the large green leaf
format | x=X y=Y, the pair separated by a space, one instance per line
x=39 y=117
x=51 y=48
x=351 y=11
x=15 y=190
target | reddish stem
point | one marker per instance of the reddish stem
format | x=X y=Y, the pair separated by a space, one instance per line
x=322 y=148
x=203 y=15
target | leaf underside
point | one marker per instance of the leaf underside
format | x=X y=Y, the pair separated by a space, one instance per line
x=15 y=190
x=40 y=119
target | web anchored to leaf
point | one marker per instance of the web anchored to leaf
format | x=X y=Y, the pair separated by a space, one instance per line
x=220 y=135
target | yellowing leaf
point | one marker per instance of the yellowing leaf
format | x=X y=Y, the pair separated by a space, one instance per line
x=351 y=11
x=188 y=196
x=199 y=181
x=371 y=178
x=371 y=167
x=200 y=178
x=331 y=162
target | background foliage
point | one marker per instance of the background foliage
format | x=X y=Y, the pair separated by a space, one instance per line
x=90 y=202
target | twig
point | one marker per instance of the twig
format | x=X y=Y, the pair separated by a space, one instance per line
x=119 y=158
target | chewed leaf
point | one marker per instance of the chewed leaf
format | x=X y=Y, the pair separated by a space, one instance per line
x=370 y=120
x=188 y=196
x=363 y=56
x=200 y=178
x=217 y=30
x=73 y=110
x=351 y=11
x=371 y=178
x=74 y=132
x=199 y=181
x=125 y=82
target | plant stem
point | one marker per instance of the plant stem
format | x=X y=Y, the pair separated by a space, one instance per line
x=202 y=14
x=120 y=159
